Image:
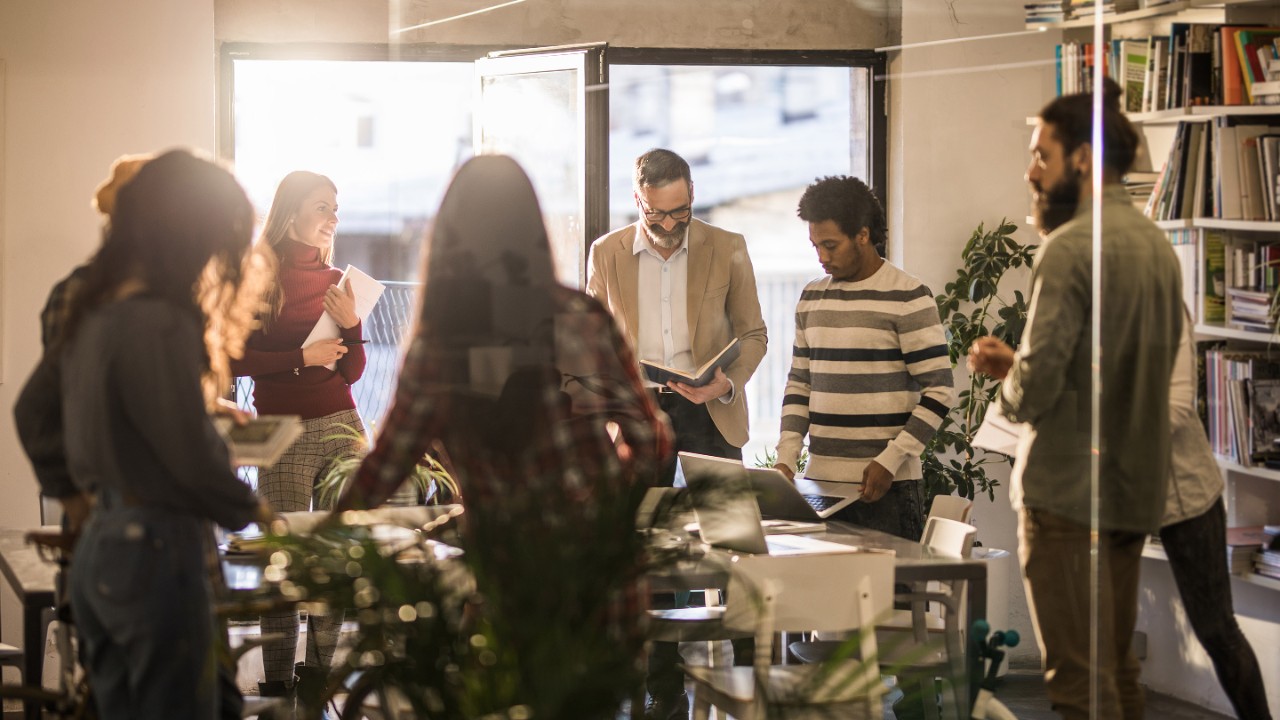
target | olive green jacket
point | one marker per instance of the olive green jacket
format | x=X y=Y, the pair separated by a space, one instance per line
x=1050 y=383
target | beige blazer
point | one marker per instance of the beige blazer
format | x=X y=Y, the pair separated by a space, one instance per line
x=722 y=304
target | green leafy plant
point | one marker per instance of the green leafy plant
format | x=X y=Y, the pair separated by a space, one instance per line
x=972 y=307
x=770 y=458
x=428 y=479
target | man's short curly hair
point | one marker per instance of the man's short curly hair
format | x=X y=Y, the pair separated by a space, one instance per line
x=849 y=203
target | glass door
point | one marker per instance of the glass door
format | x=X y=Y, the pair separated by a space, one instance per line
x=547 y=108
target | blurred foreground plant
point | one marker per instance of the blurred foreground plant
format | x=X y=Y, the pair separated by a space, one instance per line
x=540 y=617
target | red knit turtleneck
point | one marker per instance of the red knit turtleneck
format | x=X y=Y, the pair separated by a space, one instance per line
x=282 y=386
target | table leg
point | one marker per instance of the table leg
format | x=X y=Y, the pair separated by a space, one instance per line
x=32 y=655
x=977 y=599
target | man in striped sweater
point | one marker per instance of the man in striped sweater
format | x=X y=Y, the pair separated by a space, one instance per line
x=870 y=377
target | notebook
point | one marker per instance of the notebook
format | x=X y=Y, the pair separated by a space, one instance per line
x=779 y=498
x=729 y=518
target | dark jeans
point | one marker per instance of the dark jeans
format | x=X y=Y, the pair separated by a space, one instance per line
x=900 y=512
x=140 y=597
x=1198 y=556
x=694 y=432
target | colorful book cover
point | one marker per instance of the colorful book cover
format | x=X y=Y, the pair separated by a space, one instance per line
x=1215 y=277
x=1248 y=40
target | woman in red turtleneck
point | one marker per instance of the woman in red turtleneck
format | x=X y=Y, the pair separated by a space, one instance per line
x=290 y=379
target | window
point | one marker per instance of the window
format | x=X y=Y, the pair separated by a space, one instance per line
x=756 y=128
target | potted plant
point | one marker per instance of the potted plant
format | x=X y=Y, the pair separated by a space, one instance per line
x=971 y=307
x=429 y=482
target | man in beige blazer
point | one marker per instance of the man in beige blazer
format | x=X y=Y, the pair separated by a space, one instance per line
x=681 y=290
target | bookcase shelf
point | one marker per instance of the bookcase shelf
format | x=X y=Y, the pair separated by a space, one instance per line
x=1260 y=580
x=1219 y=224
x=1154 y=551
x=1165 y=10
x=1219 y=332
x=1258 y=472
x=1200 y=113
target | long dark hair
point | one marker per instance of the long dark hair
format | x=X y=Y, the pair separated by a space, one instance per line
x=1071 y=119
x=181 y=230
x=290 y=194
x=488 y=234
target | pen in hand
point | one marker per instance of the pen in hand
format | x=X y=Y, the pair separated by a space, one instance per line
x=354 y=342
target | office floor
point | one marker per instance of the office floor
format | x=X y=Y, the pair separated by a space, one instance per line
x=1022 y=691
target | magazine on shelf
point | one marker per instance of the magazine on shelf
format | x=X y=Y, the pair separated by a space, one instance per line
x=260 y=441
x=662 y=374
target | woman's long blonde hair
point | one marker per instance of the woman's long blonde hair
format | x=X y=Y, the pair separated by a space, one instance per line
x=291 y=193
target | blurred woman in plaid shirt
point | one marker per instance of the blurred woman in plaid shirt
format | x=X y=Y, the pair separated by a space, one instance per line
x=532 y=397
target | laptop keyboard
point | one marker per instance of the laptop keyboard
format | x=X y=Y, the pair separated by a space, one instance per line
x=821 y=502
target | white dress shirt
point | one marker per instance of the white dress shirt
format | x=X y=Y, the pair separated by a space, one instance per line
x=663 y=289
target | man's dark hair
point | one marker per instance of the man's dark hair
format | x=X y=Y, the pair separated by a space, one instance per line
x=850 y=203
x=659 y=166
x=1070 y=117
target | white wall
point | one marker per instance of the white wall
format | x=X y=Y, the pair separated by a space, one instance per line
x=657 y=23
x=958 y=149
x=84 y=83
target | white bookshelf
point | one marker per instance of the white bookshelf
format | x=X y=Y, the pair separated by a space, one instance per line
x=1148 y=13
x=1218 y=332
x=1200 y=113
x=1154 y=551
x=1219 y=224
x=1251 y=470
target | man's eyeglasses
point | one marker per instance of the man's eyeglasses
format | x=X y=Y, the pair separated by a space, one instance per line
x=680 y=214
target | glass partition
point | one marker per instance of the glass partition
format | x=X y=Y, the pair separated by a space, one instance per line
x=535 y=108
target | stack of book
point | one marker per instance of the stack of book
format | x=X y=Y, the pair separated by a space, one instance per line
x=1227 y=169
x=1192 y=65
x=1229 y=279
x=1242 y=405
x=1089 y=8
x=1245 y=544
x=1267 y=561
x=1140 y=184
x=1044 y=12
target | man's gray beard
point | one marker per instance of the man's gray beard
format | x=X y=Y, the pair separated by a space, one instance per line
x=666 y=242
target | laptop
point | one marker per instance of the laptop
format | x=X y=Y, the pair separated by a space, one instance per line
x=729 y=518
x=779 y=498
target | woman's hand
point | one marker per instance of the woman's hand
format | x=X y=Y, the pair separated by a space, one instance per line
x=323 y=352
x=340 y=303
x=265 y=514
x=223 y=407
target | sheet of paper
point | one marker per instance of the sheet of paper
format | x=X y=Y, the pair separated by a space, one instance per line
x=998 y=433
x=367 y=292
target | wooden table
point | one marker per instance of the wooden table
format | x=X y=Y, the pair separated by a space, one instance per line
x=32 y=579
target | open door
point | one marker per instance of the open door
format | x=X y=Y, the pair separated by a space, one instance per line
x=548 y=109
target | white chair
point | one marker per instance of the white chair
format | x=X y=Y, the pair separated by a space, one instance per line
x=909 y=647
x=951 y=507
x=769 y=594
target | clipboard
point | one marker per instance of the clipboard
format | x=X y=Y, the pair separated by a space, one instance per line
x=367 y=291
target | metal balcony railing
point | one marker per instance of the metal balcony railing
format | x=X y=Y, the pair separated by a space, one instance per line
x=393 y=316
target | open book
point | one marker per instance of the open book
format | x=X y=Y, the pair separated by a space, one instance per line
x=262 y=440
x=662 y=374
x=366 y=291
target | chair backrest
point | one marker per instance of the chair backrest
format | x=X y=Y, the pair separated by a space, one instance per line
x=948 y=537
x=951 y=507
x=809 y=592
x=839 y=591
